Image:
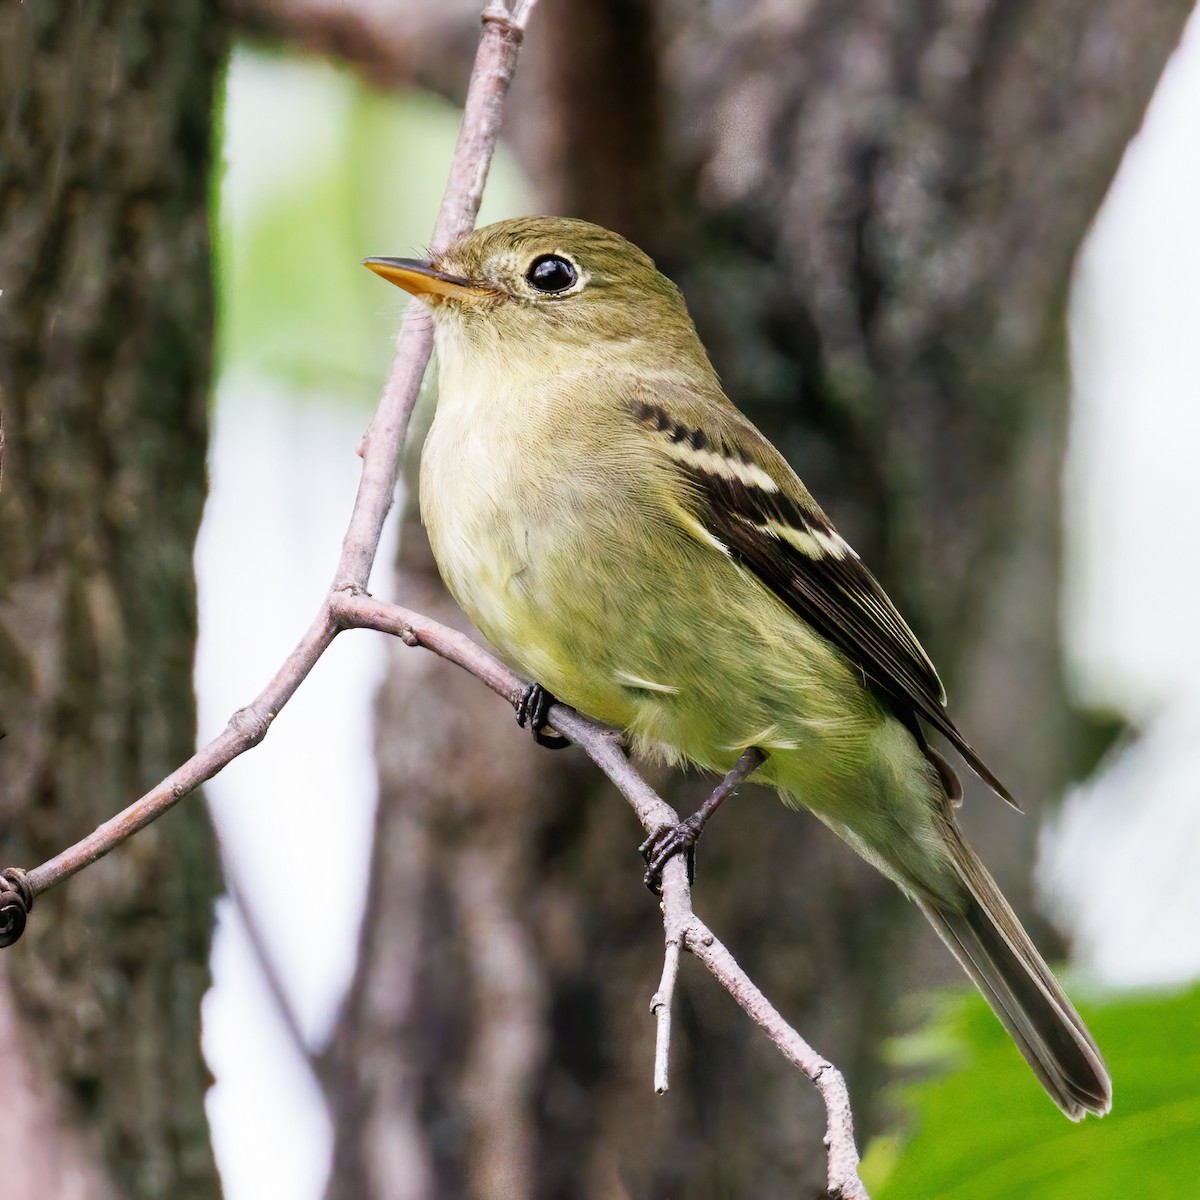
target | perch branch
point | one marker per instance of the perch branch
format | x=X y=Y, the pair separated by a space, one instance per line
x=347 y=605
x=841 y=1151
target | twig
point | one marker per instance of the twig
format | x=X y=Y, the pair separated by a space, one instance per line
x=247 y=727
x=841 y=1151
x=660 y=1006
x=477 y=136
x=347 y=605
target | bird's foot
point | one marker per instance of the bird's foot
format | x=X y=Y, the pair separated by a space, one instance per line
x=662 y=845
x=532 y=709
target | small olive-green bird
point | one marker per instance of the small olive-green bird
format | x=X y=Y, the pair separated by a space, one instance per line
x=622 y=534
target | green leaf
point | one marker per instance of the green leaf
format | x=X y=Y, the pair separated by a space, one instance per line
x=323 y=172
x=986 y=1131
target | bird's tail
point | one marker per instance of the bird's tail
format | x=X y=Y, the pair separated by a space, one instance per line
x=986 y=937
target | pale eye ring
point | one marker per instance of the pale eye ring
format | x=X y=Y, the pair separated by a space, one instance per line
x=551 y=273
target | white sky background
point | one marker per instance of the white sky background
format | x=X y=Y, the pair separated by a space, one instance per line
x=1122 y=860
x=297 y=811
x=1124 y=854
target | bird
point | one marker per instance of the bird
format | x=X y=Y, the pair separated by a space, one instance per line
x=624 y=536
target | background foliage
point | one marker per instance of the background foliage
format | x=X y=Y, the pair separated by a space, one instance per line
x=981 y=1128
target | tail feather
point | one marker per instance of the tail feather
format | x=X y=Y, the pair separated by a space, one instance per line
x=987 y=939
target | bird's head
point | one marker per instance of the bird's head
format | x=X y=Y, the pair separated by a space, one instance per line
x=547 y=286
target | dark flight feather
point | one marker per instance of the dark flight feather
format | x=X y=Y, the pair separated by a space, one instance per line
x=814 y=572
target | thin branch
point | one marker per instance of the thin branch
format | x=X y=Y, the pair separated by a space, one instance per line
x=842 y=1153
x=347 y=605
x=477 y=136
x=246 y=728
x=660 y=1006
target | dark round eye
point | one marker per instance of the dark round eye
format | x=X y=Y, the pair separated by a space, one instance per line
x=551 y=273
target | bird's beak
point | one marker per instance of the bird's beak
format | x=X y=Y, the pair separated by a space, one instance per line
x=422 y=279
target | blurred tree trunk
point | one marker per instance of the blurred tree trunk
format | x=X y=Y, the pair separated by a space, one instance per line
x=105 y=344
x=873 y=210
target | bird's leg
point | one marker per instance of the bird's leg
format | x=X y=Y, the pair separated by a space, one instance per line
x=664 y=844
x=532 y=708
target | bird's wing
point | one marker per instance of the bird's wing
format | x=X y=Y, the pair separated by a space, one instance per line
x=745 y=496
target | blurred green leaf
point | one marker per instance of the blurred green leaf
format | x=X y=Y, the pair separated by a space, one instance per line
x=324 y=172
x=985 y=1130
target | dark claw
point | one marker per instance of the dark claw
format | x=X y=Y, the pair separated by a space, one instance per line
x=532 y=709
x=661 y=846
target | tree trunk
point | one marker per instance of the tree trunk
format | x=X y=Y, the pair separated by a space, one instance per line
x=105 y=343
x=873 y=210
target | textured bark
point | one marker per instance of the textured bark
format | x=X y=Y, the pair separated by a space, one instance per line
x=105 y=333
x=873 y=210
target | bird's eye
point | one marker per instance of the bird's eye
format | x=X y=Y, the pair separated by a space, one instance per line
x=551 y=273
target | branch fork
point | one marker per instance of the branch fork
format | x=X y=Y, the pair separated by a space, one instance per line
x=348 y=605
